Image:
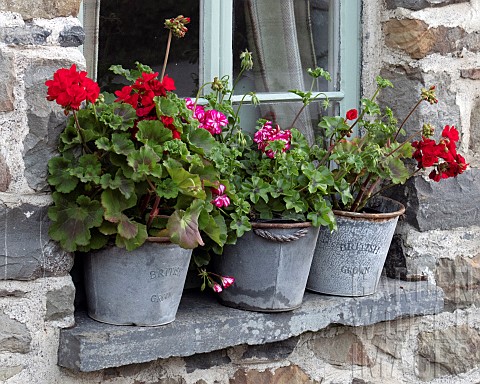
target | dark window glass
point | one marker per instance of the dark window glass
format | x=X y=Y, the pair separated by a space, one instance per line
x=134 y=31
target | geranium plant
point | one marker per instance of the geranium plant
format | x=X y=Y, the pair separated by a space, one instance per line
x=272 y=172
x=132 y=165
x=365 y=165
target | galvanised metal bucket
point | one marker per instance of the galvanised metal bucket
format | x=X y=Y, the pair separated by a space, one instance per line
x=349 y=261
x=270 y=265
x=140 y=287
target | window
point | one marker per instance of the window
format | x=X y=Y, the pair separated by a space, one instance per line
x=285 y=36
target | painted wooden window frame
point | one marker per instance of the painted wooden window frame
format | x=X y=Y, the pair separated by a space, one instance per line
x=216 y=51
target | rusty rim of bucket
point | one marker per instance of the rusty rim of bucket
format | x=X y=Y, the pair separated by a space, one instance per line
x=374 y=216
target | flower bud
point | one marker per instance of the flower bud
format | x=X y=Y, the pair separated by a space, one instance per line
x=428 y=130
x=177 y=25
x=217 y=84
x=429 y=95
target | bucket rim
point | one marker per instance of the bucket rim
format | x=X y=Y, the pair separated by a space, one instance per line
x=279 y=224
x=374 y=216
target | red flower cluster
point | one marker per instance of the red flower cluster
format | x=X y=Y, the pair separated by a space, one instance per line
x=140 y=96
x=267 y=134
x=442 y=155
x=70 y=88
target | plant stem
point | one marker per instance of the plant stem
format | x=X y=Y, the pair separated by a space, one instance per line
x=153 y=212
x=79 y=130
x=361 y=194
x=167 y=52
x=406 y=118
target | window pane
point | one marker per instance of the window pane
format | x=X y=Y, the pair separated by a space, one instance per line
x=286 y=37
x=134 y=31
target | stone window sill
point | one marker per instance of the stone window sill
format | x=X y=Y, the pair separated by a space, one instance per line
x=202 y=325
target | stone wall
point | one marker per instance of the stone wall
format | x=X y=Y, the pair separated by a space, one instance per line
x=415 y=43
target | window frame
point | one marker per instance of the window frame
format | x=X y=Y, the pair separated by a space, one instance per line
x=216 y=51
x=216 y=56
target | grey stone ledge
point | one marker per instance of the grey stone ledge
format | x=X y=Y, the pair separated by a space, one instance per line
x=203 y=325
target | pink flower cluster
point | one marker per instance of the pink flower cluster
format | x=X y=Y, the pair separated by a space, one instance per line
x=227 y=281
x=220 y=198
x=267 y=134
x=210 y=119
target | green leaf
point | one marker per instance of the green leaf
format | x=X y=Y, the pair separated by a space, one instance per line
x=135 y=242
x=153 y=132
x=201 y=140
x=398 y=172
x=187 y=183
x=122 y=144
x=89 y=169
x=60 y=176
x=165 y=106
x=215 y=228
x=183 y=226
x=72 y=220
x=127 y=228
x=167 y=188
x=145 y=163
x=115 y=203
x=120 y=182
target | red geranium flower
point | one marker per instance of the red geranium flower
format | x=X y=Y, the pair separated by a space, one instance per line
x=352 y=114
x=70 y=88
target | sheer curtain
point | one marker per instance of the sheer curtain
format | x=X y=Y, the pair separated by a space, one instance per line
x=280 y=34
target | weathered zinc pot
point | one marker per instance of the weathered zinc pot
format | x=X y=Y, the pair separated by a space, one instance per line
x=349 y=261
x=140 y=287
x=270 y=265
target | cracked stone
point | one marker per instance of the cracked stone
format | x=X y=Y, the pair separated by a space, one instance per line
x=448 y=351
x=7 y=81
x=292 y=374
x=14 y=336
x=28 y=253
x=72 y=36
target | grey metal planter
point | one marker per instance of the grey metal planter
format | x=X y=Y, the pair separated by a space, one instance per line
x=349 y=261
x=140 y=287
x=270 y=265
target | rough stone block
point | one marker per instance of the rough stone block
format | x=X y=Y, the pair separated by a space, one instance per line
x=448 y=351
x=202 y=325
x=7 y=81
x=471 y=73
x=5 y=176
x=29 y=34
x=408 y=83
x=344 y=349
x=27 y=252
x=72 y=36
x=14 y=336
x=474 y=144
x=8 y=372
x=45 y=122
x=269 y=352
x=448 y=204
x=418 y=40
x=460 y=280
x=60 y=303
x=206 y=360
x=292 y=374
x=46 y=9
x=416 y=5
